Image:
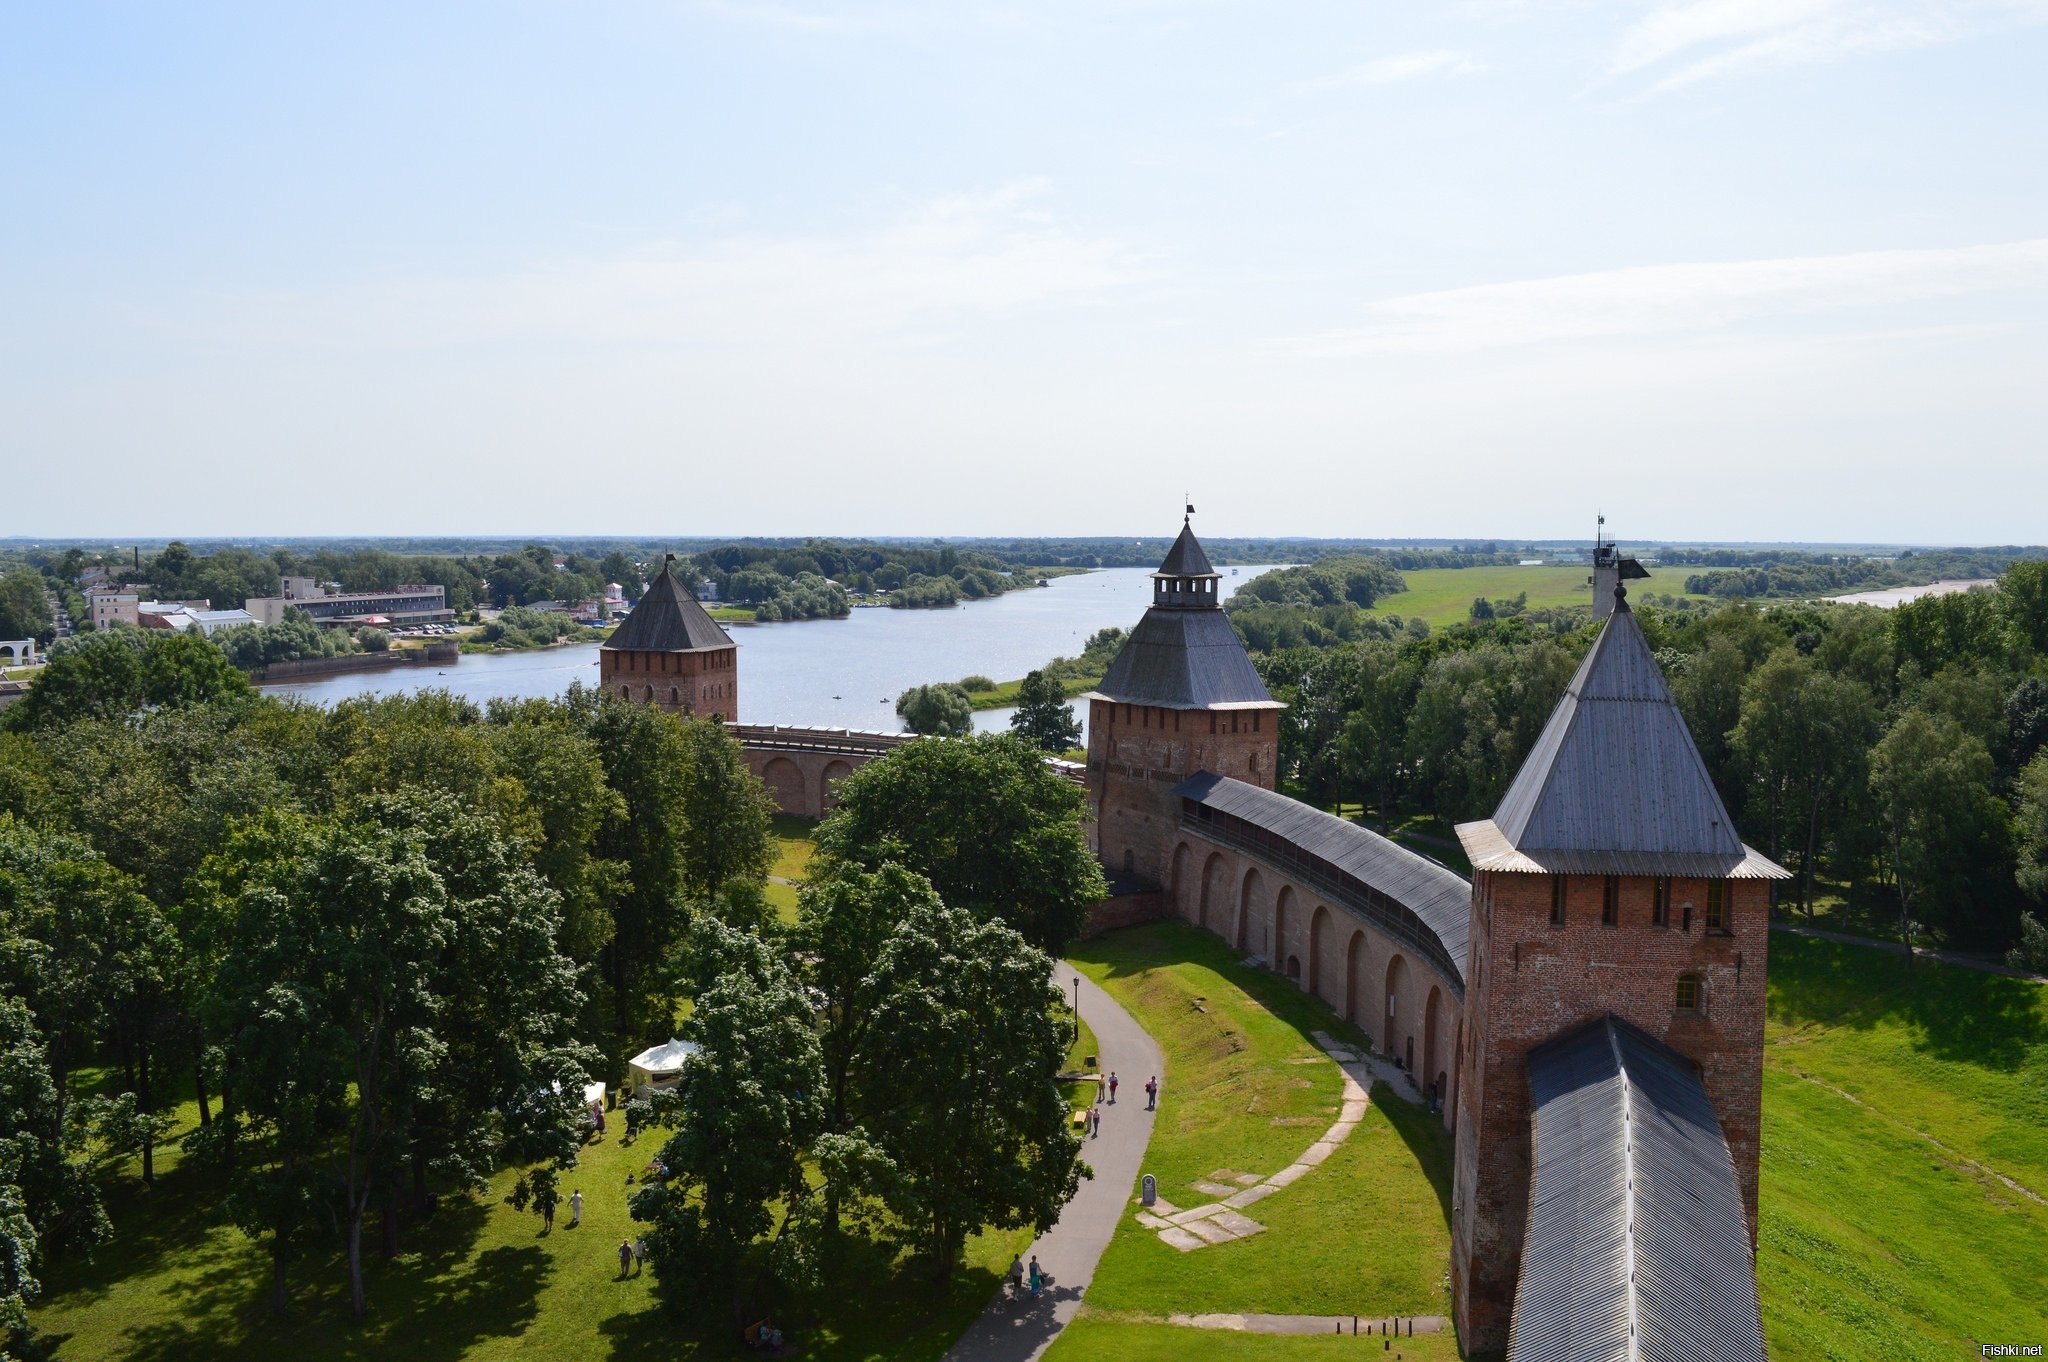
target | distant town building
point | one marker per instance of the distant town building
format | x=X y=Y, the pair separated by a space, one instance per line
x=109 y=606
x=353 y=609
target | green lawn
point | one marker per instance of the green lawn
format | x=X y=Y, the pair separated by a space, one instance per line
x=1096 y=1339
x=1247 y=1091
x=1891 y=1098
x=1444 y=595
x=796 y=843
x=476 y=1281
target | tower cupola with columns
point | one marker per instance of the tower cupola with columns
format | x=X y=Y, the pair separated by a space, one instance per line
x=672 y=654
x=1608 y=889
x=1181 y=697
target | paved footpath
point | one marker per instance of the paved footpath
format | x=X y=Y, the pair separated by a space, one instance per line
x=1017 y=1331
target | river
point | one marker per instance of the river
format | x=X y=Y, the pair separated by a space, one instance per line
x=1900 y=595
x=831 y=673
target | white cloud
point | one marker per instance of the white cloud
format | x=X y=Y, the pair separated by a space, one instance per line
x=936 y=266
x=1391 y=70
x=1677 y=299
x=1694 y=40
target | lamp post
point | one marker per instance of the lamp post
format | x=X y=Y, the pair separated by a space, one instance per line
x=1077 y=1009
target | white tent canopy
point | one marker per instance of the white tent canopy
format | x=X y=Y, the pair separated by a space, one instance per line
x=659 y=1066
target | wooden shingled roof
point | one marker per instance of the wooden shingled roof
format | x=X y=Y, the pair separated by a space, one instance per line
x=1615 y=784
x=668 y=620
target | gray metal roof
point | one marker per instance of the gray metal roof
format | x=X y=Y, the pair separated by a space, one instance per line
x=1185 y=558
x=668 y=620
x=1185 y=659
x=1637 y=1245
x=1436 y=900
x=1615 y=770
x=1488 y=849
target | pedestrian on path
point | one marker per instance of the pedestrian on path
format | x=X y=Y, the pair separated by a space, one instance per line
x=575 y=1208
x=1112 y=1087
x=1152 y=1092
x=1037 y=1277
x=1017 y=1275
x=625 y=1258
x=639 y=1254
x=1095 y=1123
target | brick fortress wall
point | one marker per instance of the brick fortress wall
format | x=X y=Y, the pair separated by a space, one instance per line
x=1528 y=981
x=1138 y=753
x=705 y=682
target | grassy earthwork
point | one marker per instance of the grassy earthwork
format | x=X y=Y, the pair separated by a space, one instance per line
x=1247 y=1091
x=1905 y=1157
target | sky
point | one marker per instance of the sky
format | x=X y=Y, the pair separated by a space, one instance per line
x=1722 y=269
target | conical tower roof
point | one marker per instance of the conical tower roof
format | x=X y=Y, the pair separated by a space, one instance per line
x=1184 y=654
x=1185 y=558
x=668 y=620
x=1615 y=784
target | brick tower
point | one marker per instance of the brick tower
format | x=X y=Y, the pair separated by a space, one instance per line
x=1181 y=697
x=1609 y=883
x=670 y=653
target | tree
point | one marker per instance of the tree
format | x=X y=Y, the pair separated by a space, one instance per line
x=995 y=830
x=2023 y=591
x=845 y=916
x=1803 y=738
x=1943 y=832
x=1370 y=745
x=956 y=1081
x=940 y=710
x=750 y=1103
x=407 y=957
x=1043 y=718
x=25 y=606
x=728 y=834
x=49 y=1191
x=643 y=756
x=2030 y=827
x=2031 y=953
x=120 y=671
x=82 y=946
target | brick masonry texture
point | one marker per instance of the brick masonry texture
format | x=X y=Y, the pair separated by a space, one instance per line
x=1529 y=981
x=704 y=683
x=1138 y=753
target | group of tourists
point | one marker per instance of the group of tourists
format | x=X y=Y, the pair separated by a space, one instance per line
x=1034 y=1279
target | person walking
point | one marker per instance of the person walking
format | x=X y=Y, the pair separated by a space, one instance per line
x=576 y=1208
x=1112 y=1087
x=1094 y=1123
x=1152 y=1092
x=625 y=1258
x=547 y=1216
x=1037 y=1277
x=639 y=1254
x=1017 y=1275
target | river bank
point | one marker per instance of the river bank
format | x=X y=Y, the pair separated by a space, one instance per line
x=842 y=673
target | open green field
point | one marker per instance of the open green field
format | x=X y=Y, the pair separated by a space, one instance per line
x=1897 y=1103
x=1246 y=1090
x=476 y=1281
x=1444 y=595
